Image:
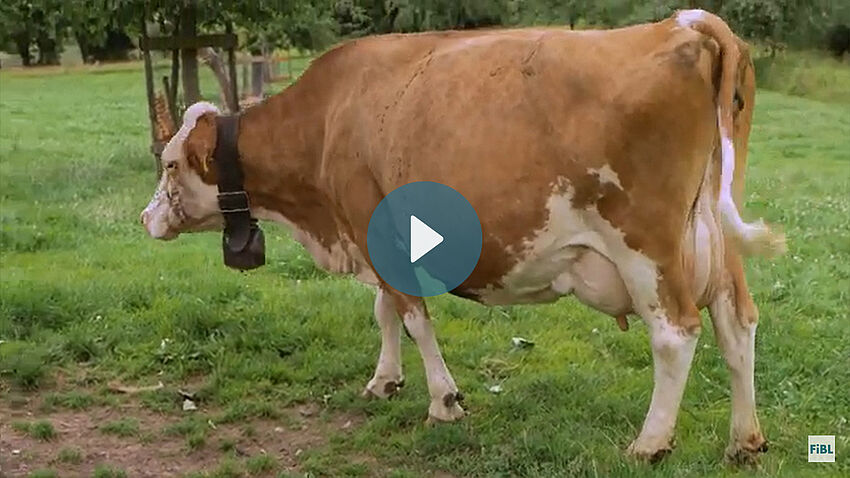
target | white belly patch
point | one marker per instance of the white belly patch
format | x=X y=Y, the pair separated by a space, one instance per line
x=578 y=252
x=567 y=256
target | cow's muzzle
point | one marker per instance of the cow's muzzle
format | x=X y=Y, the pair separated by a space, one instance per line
x=156 y=229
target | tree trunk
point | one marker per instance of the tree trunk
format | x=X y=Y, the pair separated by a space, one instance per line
x=258 y=68
x=258 y=72
x=48 y=53
x=246 y=85
x=83 y=43
x=189 y=57
x=22 y=42
x=216 y=64
x=116 y=47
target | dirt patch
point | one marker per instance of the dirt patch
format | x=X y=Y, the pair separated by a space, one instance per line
x=153 y=451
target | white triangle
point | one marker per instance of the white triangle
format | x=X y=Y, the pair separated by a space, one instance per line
x=422 y=239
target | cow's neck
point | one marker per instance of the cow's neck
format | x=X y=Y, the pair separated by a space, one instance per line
x=280 y=143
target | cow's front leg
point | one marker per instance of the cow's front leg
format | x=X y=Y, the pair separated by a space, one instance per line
x=445 y=397
x=388 y=378
x=734 y=317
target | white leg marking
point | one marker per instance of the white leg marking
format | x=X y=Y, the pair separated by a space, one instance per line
x=672 y=352
x=737 y=342
x=387 y=378
x=441 y=385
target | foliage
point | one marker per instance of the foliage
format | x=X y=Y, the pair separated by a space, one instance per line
x=809 y=74
x=798 y=22
x=28 y=23
x=102 y=28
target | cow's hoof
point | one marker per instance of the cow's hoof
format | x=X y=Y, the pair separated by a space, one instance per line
x=650 y=454
x=447 y=409
x=746 y=453
x=383 y=388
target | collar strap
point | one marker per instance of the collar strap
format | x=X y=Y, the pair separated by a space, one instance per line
x=242 y=242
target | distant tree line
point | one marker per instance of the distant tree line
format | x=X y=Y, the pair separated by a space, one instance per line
x=104 y=29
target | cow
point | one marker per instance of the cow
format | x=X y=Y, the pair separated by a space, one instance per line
x=607 y=165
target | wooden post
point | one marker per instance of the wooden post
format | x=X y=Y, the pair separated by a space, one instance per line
x=149 y=86
x=166 y=84
x=189 y=56
x=231 y=64
x=258 y=66
x=246 y=82
x=175 y=73
x=289 y=63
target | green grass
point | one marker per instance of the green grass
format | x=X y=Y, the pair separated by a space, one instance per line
x=83 y=287
x=187 y=427
x=41 y=430
x=227 y=468
x=73 y=400
x=106 y=471
x=125 y=427
x=811 y=74
x=43 y=474
x=196 y=441
x=226 y=445
x=257 y=465
x=70 y=455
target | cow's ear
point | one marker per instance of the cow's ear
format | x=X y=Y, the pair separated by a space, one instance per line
x=200 y=144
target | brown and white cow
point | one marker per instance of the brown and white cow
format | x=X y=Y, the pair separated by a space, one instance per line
x=603 y=164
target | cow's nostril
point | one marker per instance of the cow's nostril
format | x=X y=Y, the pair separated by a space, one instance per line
x=143 y=217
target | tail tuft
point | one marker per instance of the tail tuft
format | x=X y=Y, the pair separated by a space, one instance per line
x=758 y=239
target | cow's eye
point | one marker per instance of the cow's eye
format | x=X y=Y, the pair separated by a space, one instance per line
x=171 y=165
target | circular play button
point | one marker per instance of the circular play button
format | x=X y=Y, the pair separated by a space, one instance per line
x=424 y=239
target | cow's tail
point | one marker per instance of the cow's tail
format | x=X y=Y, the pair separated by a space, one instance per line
x=753 y=238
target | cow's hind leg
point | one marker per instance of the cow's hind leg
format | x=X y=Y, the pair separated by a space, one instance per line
x=388 y=376
x=734 y=317
x=445 y=398
x=674 y=327
x=672 y=353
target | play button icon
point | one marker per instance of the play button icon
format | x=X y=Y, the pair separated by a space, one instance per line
x=424 y=238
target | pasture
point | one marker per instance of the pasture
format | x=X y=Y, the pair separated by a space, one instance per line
x=275 y=359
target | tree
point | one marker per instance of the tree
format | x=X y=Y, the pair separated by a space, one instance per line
x=16 y=27
x=100 y=27
x=31 y=23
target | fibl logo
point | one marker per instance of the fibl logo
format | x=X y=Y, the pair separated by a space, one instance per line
x=822 y=448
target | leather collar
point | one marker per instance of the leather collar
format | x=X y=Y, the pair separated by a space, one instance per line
x=243 y=243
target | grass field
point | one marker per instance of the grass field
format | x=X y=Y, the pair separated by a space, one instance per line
x=276 y=359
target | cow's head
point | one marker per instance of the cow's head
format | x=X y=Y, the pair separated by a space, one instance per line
x=186 y=197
